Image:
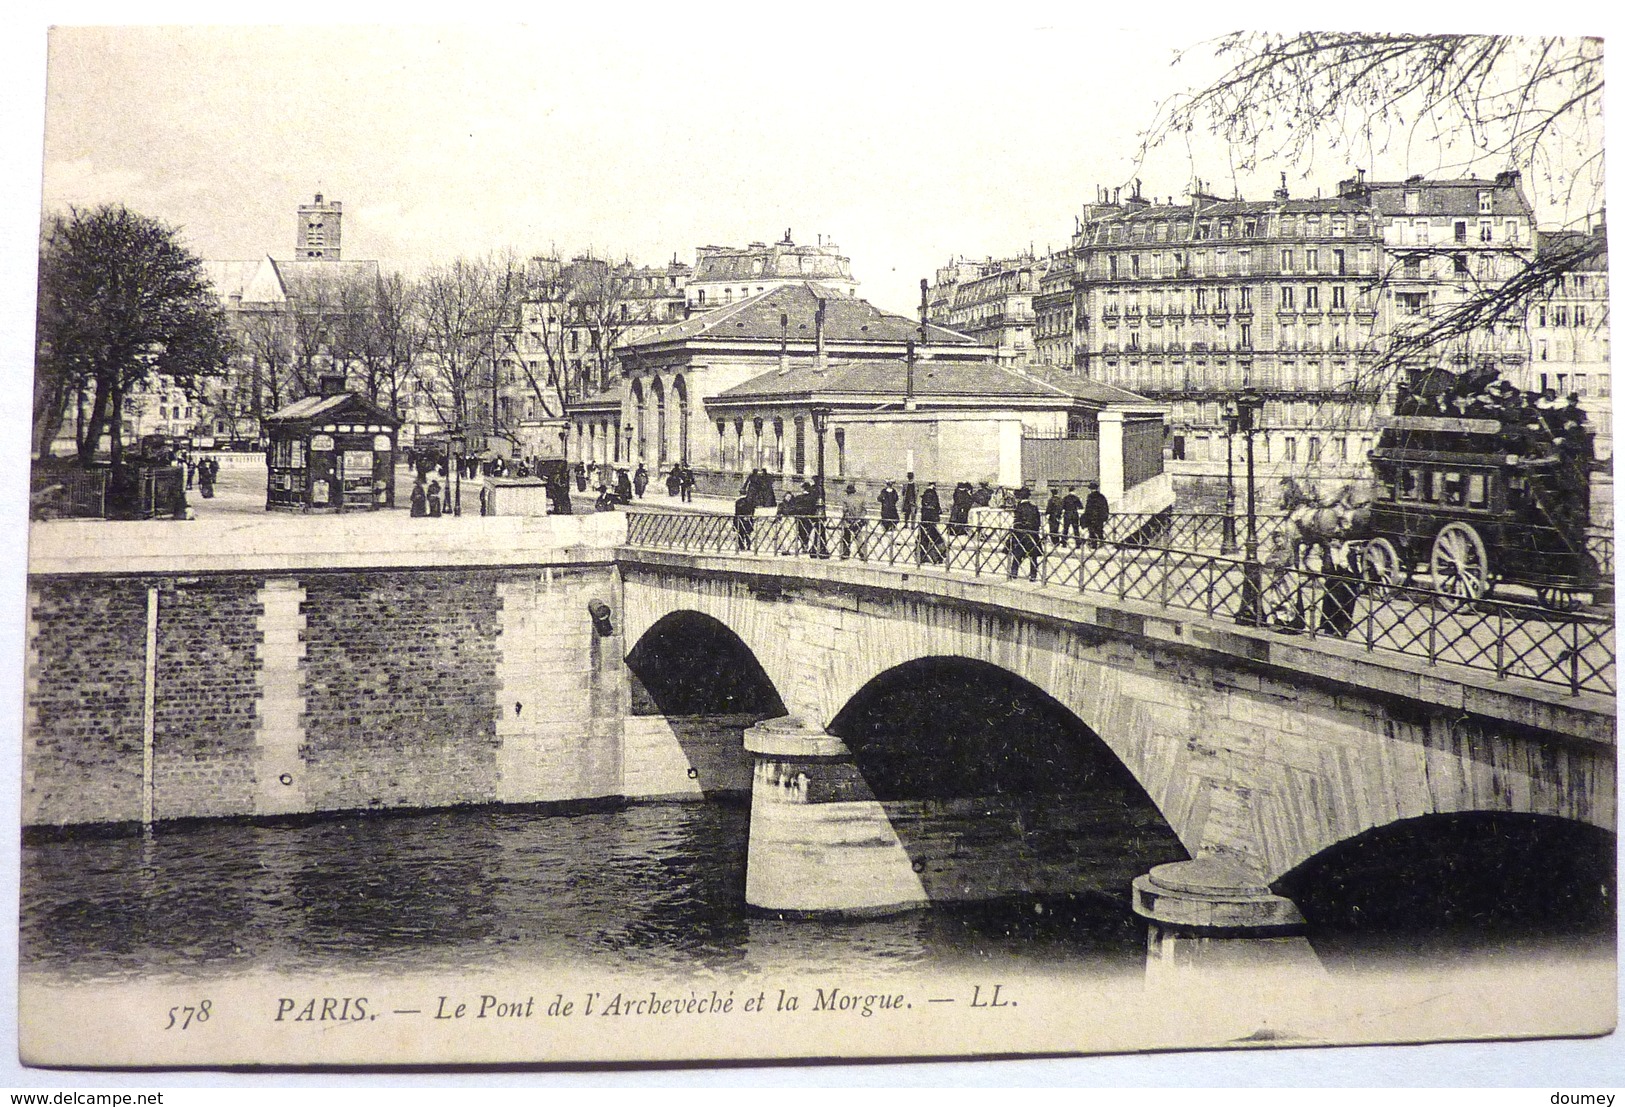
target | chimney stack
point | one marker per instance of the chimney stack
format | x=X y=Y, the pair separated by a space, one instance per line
x=822 y=361
x=331 y=384
x=908 y=380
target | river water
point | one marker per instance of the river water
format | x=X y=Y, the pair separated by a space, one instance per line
x=656 y=889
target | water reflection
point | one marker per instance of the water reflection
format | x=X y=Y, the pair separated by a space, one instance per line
x=655 y=888
x=652 y=889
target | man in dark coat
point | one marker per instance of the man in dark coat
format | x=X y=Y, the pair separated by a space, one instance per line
x=1071 y=517
x=581 y=476
x=1052 y=515
x=959 y=511
x=802 y=506
x=1342 y=589
x=1026 y=536
x=685 y=482
x=623 y=486
x=911 y=499
x=931 y=549
x=640 y=480
x=888 y=507
x=1095 y=513
x=744 y=519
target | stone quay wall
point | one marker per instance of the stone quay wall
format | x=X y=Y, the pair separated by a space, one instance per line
x=182 y=670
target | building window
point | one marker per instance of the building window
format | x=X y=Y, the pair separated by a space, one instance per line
x=840 y=452
x=1311 y=297
x=1461 y=230
x=1459 y=264
x=1288 y=297
x=1485 y=233
x=1339 y=297
x=1484 y=202
x=1413 y=201
x=1286 y=261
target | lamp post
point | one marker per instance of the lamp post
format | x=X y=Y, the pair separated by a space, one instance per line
x=1227 y=542
x=456 y=444
x=820 y=422
x=1249 y=406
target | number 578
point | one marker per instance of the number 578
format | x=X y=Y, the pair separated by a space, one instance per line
x=182 y=1017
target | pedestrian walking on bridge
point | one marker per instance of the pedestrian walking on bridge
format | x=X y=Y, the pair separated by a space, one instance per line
x=1026 y=536
x=1095 y=513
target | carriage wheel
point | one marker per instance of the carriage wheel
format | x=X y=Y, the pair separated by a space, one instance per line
x=1559 y=599
x=1384 y=566
x=1459 y=563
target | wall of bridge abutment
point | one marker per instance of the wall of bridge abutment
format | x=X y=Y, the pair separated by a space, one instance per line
x=180 y=672
x=1259 y=753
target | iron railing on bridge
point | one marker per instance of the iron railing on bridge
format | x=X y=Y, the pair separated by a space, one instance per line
x=1500 y=636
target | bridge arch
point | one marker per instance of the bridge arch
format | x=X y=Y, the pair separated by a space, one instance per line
x=947 y=725
x=1486 y=871
x=690 y=663
x=961 y=750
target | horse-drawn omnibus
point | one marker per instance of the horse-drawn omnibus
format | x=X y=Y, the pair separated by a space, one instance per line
x=1481 y=497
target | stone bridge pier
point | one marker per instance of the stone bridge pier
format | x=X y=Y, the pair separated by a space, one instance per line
x=1254 y=757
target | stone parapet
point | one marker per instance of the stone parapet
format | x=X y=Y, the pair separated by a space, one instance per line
x=289 y=543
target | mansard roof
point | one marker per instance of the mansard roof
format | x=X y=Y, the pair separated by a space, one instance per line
x=760 y=318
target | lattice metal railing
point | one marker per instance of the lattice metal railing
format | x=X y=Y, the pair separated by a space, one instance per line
x=1495 y=635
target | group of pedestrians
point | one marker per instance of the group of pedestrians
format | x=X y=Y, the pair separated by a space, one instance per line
x=427 y=499
x=919 y=507
x=203 y=473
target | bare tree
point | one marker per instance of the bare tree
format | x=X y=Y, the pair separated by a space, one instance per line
x=580 y=313
x=265 y=341
x=389 y=343
x=464 y=308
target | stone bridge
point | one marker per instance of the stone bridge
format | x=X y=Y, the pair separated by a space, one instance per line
x=1259 y=752
x=905 y=735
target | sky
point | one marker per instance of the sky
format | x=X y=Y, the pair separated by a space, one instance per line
x=908 y=134
x=906 y=140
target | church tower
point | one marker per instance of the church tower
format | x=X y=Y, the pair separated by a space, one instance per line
x=318 y=232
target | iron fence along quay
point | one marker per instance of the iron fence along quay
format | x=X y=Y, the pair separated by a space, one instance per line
x=1138 y=560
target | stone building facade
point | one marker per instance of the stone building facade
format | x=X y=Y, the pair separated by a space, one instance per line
x=991 y=300
x=725 y=275
x=1568 y=333
x=1053 y=306
x=1190 y=303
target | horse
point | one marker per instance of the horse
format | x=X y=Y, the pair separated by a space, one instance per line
x=1313 y=522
